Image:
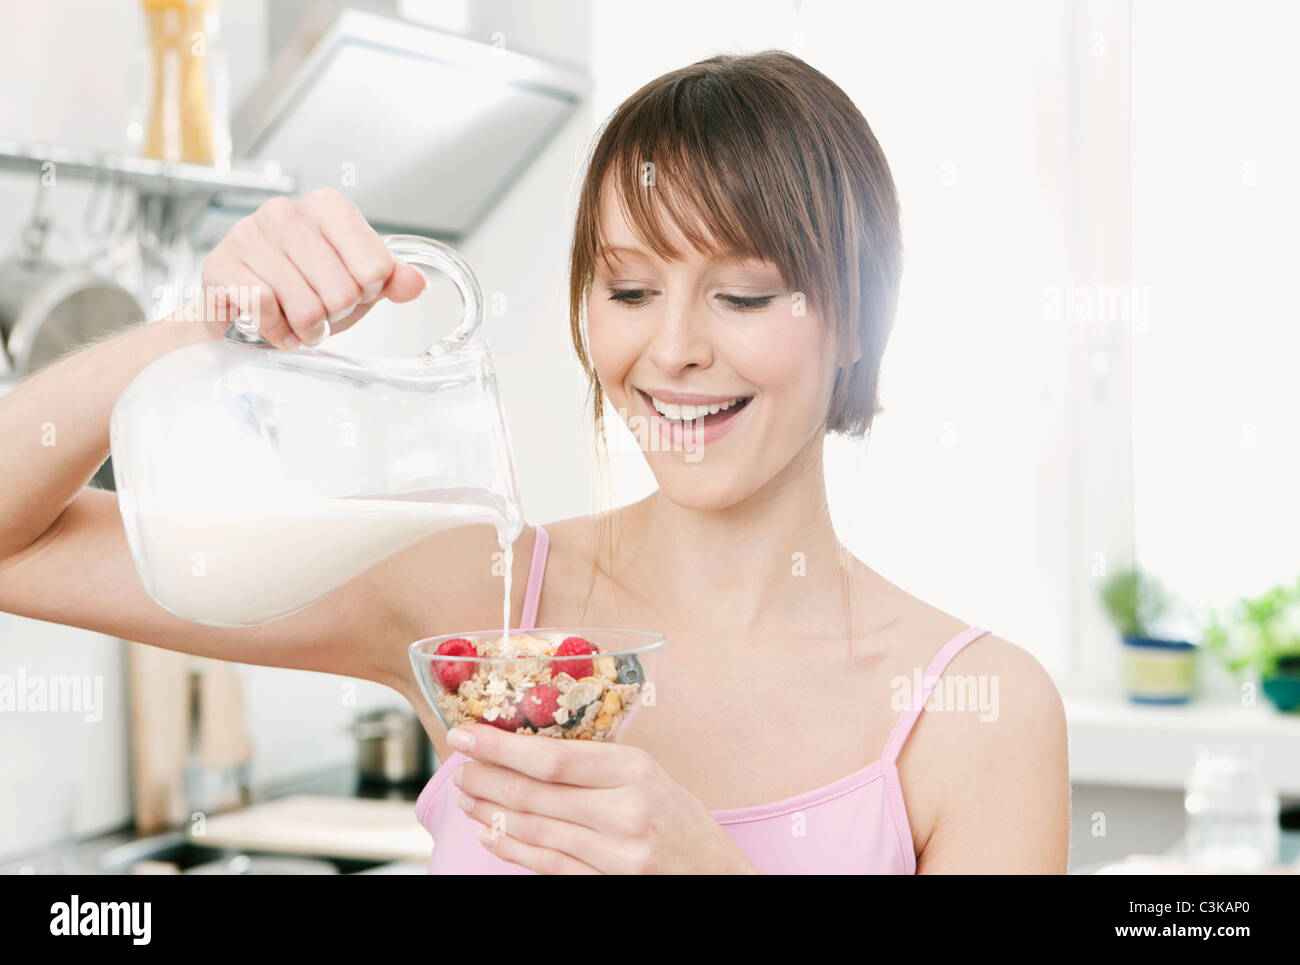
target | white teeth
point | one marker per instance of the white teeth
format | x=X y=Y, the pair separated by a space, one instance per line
x=689 y=413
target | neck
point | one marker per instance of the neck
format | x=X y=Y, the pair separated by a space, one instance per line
x=768 y=561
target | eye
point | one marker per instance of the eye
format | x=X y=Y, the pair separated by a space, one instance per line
x=744 y=303
x=628 y=296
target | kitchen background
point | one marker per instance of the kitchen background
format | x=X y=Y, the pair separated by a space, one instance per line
x=1091 y=369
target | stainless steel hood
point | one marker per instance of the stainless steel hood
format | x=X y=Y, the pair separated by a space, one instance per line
x=424 y=130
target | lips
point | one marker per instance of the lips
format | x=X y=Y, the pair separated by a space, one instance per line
x=698 y=431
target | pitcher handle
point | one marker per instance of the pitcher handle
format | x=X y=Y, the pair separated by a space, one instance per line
x=428 y=253
x=422 y=253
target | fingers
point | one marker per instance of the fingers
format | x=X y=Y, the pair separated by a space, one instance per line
x=369 y=261
x=358 y=246
x=296 y=298
x=540 y=844
x=291 y=236
x=316 y=265
x=405 y=284
x=233 y=289
x=532 y=830
x=582 y=763
x=543 y=861
x=519 y=792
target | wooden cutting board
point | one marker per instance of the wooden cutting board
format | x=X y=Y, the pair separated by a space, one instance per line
x=159 y=694
x=328 y=827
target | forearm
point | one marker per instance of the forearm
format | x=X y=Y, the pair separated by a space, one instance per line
x=55 y=424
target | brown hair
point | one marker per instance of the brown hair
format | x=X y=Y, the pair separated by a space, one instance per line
x=771 y=159
x=776 y=162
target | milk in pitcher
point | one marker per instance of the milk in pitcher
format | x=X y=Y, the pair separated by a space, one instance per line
x=227 y=569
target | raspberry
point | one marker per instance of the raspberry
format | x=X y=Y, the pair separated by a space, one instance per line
x=577 y=669
x=452 y=673
x=539 y=705
x=512 y=720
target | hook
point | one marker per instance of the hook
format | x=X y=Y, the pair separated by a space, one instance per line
x=34 y=232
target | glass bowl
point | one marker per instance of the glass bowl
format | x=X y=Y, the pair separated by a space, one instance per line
x=527 y=689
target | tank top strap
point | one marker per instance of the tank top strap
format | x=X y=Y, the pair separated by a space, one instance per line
x=533 y=594
x=933 y=673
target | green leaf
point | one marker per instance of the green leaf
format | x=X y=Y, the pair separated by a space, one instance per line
x=1256 y=632
x=1134 y=601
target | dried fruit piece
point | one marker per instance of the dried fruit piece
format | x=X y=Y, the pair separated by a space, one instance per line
x=628 y=693
x=606 y=667
x=530 y=645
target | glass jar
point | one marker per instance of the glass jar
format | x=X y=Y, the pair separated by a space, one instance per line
x=1232 y=811
x=182 y=89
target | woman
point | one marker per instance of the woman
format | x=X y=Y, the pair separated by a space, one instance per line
x=737 y=247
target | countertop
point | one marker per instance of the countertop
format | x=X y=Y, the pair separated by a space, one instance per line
x=94 y=855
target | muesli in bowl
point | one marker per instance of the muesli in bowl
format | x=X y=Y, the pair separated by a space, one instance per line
x=571 y=683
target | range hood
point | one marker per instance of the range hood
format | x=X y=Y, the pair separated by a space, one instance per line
x=424 y=130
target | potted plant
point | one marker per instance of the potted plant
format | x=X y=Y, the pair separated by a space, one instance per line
x=1261 y=635
x=1157 y=670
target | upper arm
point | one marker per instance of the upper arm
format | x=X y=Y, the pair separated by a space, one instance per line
x=1002 y=775
x=80 y=573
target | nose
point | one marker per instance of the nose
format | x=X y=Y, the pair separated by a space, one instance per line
x=680 y=340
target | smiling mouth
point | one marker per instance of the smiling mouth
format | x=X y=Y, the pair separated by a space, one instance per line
x=700 y=416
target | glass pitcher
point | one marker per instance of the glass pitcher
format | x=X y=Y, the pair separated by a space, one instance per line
x=254 y=481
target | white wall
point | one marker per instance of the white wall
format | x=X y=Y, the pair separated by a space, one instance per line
x=1216 y=399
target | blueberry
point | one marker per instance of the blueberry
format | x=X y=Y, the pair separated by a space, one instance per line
x=629 y=670
x=575 y=716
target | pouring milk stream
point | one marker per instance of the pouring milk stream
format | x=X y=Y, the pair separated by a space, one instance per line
x=252 y=481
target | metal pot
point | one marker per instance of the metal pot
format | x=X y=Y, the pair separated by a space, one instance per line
x=392 y=747
x=47 y=310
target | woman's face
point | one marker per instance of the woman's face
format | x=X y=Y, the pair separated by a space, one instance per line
x=714 y=365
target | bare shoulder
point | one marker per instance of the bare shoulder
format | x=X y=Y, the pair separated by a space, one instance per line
x=920 y=631
x=579 y=541
x=1018 y=674
x=1019 y=717
x=985 y=771
x=574 y=533
x=994 y=700
x=585 y=530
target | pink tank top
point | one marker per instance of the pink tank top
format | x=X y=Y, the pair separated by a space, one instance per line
x=857 y=825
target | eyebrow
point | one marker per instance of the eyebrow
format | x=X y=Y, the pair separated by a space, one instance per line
x=723 y=258
x=608 y=250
